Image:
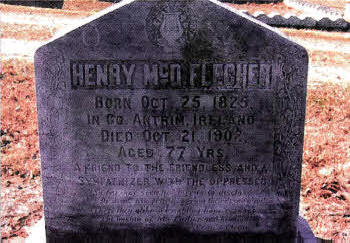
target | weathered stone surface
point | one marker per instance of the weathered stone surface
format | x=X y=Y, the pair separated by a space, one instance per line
x=327 y=24
x=278 y=20
x=308 y=22
x=187 y=126
x=293 y=22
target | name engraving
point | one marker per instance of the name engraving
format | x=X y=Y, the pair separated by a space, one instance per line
x=112 y=74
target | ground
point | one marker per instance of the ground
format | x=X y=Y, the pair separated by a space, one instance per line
x=325 y=194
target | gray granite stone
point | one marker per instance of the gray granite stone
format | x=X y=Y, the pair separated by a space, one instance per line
x=309 y=22
x=278 y=20
x=264 y=18
x=188 y=126
x=305 y=233
x=328 y=24
x=293 y=22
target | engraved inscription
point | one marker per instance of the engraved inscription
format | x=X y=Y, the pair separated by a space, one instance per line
x=210 y=139
x=121 y=74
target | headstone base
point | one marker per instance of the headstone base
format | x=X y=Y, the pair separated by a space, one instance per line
x=176 y=234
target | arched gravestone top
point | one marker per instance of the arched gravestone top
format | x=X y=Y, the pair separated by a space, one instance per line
x=170 y=116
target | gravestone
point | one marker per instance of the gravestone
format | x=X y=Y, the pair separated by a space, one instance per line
x=162 y=121
x=38 y=3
